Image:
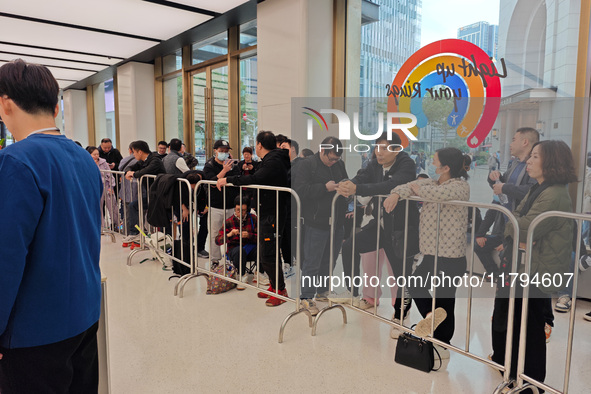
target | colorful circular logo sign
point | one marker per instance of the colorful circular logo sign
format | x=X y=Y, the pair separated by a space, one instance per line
x=454 y=70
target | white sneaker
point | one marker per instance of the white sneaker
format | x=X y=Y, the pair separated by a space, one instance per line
x=443 y=352
x=362 y=303
x=246 y=278
x=563 y=304
x=322 y=297
x=263 y=280
x=310 y=305
x=423 y=328
x=342 y=298
x=288 y=271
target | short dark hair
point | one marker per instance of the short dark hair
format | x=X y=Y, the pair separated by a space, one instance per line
x=163 y=143
x=247 y=149
x=175 y=144
x=280 y=139
x=557 y=162
x=337 y=146
x=530 y=133
x=267 y=140
x=458 y=163
x=294 y=144
x=105 y=140
x=307 y=152
x=91 y=149
x=395 y=140
x=245 y=201
x=193 y=176
x=31 y=87
x=141 y=146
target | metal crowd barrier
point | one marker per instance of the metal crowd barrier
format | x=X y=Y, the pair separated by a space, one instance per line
x=523 y=381
x=506 y=367
x=196 y=270
x=161 y=250
x=110 y=202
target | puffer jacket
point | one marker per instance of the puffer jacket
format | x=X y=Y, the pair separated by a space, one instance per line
x=551 y=252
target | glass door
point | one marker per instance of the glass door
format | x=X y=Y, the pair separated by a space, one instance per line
x=199 y=82
x=210 y=109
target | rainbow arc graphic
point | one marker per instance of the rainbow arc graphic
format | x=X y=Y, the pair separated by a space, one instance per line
x=478 y=96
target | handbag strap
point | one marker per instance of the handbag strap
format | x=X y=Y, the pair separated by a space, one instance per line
x=440 y=361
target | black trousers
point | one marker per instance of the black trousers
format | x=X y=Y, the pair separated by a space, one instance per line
x=202 y=233
x=535 y=351
x=269 y=259
x=445 y=296
x=234 y=255
x=485 y=252
x=68 y=366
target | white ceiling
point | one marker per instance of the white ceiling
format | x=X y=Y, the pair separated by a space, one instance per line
x=76 y=38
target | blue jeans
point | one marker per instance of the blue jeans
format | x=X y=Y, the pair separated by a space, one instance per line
x=316 y=259
x=586 y=232
x=568 y=290
x=133 y=215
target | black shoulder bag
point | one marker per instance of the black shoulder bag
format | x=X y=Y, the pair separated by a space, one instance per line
x=416 y=353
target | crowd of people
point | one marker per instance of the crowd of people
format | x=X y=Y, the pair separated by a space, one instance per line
x=535 y=181
x=49 y=326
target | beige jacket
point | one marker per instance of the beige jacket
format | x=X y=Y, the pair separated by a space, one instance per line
x=454 y=219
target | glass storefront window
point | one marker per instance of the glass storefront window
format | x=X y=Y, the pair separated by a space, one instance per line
x=248 y=34
x=528 y=47
x=104 y=112
x=173 y=108
x=172 y=62
x=210 y=48
x=248 y=102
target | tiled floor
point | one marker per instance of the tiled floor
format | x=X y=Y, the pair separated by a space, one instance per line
x=229 y=343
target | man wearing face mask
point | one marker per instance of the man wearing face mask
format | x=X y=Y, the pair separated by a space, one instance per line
x=218 y=167
x=391 y=168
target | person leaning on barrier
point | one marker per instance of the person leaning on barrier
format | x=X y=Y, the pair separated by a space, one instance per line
x=108 y=198
x=174 y=163
x=271 y=172
x=449 y=244
x=315 y=180
x=551 y=165
x=233 y=235
x=148 y=163
x=110 y=154
x=50 y=281
x=128 y=193
x=391 y=168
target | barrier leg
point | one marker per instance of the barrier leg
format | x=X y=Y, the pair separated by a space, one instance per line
x=503 y=387
x=183 y=281
x=133 y=253
x=337 y=306
x=110 y=233
x=526 y=386
x=292 y=314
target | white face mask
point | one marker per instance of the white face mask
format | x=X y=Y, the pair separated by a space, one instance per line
x=223 y=156
x=432 y=171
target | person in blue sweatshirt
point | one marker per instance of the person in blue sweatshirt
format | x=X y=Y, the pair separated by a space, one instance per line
x=50 y=282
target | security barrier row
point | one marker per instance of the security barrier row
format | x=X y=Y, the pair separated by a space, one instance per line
x=159 y=247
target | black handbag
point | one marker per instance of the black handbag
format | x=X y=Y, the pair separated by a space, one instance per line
x=416 y=353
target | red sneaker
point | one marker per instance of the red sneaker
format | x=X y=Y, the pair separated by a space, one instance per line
x=274 y=301
x=265 y=295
